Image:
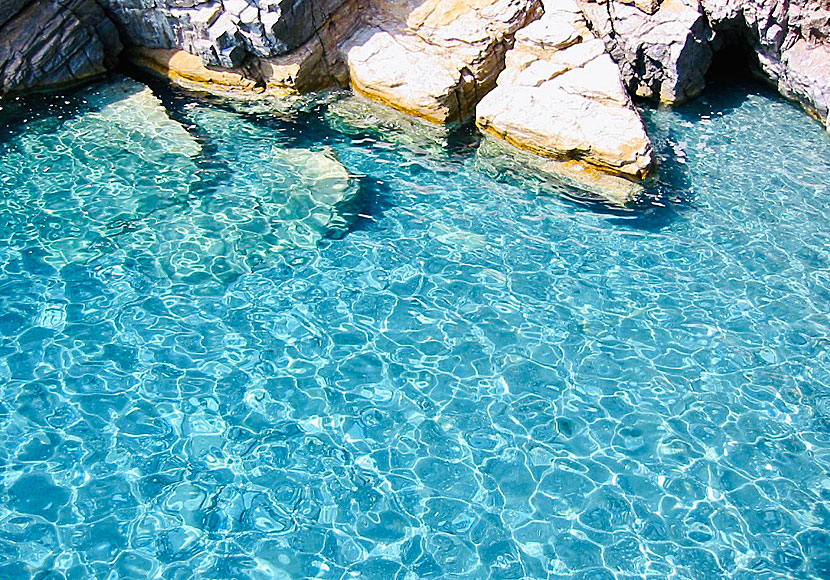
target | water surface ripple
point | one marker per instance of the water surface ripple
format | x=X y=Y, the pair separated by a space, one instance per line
x=239 y=345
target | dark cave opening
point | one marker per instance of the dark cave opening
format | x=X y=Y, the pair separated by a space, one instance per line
x=734 y=59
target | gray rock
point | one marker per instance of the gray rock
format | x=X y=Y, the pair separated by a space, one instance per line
x=222 y=32
x=74 y=40
x=790 y=39
x=10 y=9
x=663 y=54
x=665 y=47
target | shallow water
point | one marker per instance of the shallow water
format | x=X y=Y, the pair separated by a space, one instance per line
x=218 y=360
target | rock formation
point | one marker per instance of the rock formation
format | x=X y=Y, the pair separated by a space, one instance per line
x=547 y=76
x=665 y=47
x=436 y=58
x=46 y=43
x=561 y=96
x=222 y=33
x=243 y=46
x=662 y=46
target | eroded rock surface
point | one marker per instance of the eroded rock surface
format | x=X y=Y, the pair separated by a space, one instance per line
x=46 y=43
x=222 y=32
x=561 y=96
x=313 y=65
x=665 y=47
x=436 y=58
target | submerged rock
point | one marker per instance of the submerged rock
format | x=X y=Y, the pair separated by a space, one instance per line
x=48 y=43
x=561 y=96
x=117 y=159
x=297 y=193
x=121 y=180
x=435 y=59
x=500 y=159
x=353 y=114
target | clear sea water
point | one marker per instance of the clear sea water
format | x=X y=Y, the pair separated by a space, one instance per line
x=252 y=344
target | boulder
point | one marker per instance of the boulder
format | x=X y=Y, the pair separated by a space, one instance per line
x=561 y=96
x=188 y=70
x=103 y=170
x=435 y=59
x=48 y=43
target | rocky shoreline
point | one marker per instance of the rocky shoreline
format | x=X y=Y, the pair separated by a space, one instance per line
x=553 y=77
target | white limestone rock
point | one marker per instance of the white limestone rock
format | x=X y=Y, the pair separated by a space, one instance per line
x=434 y=59
x=561 y=96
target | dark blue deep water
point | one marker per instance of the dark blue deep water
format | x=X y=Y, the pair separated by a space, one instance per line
x=242 y=343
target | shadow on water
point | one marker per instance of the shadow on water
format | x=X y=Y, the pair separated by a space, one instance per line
x=732 y=78
x=463 y=141
x=365 y=208
x=50 y=107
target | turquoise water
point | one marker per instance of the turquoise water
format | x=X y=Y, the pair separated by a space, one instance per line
x=248 y=345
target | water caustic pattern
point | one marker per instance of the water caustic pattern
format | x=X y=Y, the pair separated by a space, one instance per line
x=237 y=345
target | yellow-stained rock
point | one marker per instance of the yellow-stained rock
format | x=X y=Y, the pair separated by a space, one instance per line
x=561 y=96
x=572 y=177
x=188 y=70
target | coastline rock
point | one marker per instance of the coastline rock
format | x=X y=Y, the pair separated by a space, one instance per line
x=665 y=47
x=435 y=59
x=222 y=33
x=354 y=114
x=561 y=96
x=805 y=77
x=48 y=43
x=314 y=65
x=189 y=71
x=570 y=178
x=791 y=41
x=662 y=47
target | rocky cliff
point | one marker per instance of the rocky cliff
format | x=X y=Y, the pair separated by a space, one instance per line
x=46 y=43
x=554 y=77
